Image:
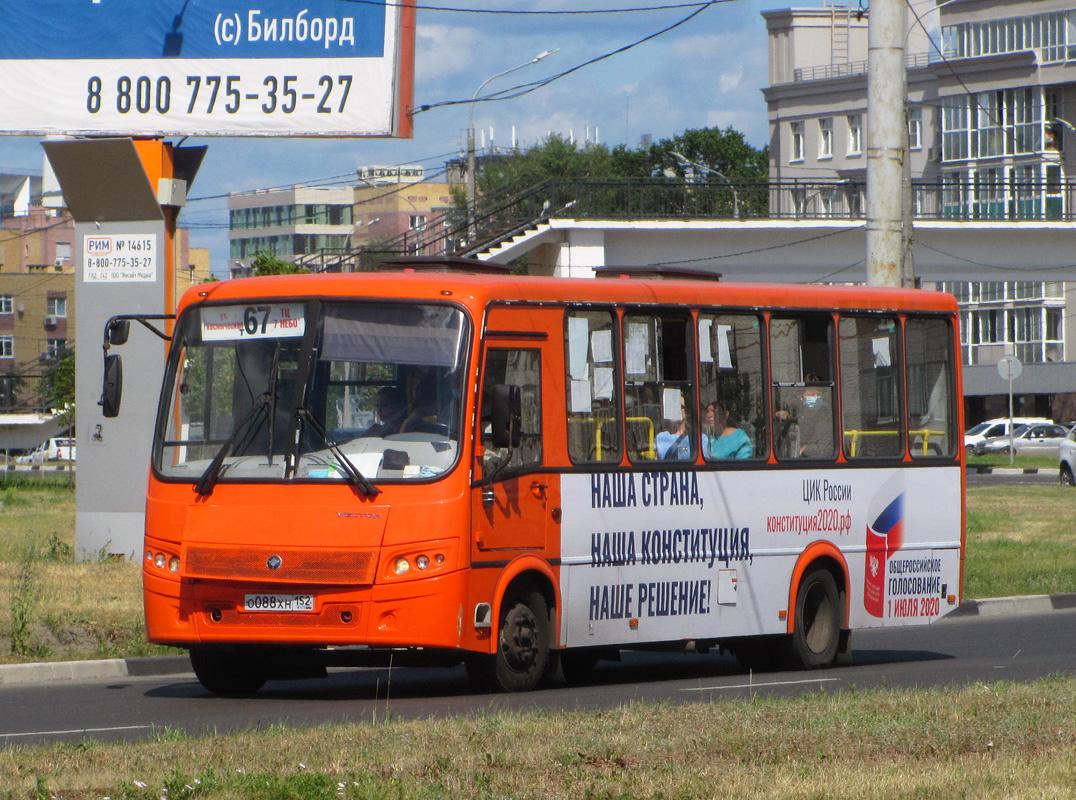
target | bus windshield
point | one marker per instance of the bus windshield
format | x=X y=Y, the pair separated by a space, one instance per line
x=312 y=391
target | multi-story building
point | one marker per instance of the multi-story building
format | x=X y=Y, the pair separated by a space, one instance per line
x=315 y=225
x=991 y=92
x=37 y=287
x=393 y=203
x=290 y=224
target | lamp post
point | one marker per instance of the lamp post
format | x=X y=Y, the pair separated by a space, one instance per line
x=683 y=160
x=470 y=133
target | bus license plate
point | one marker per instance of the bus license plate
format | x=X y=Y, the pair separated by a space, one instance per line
x=278 y=602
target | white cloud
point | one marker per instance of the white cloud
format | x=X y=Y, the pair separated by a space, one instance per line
x=442 y=50
x=730 y=81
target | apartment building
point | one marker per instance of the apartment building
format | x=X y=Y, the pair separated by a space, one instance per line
x=316 y=225
x=37 y=287
x=991 y=100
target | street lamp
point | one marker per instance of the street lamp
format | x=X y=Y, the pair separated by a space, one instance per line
x=684 y=161
x=470 y=132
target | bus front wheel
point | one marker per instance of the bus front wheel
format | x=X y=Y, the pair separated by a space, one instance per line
x=522 y=645
x=229 y=673
x=817 y=630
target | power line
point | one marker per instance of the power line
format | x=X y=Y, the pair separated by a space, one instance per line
x=517 y=13
x=526 y=88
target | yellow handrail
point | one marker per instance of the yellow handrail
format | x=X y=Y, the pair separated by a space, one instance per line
x=926 y=433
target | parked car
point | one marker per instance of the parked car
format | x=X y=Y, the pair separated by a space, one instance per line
x=57 y=449
x=1026 y=439
x=1066 y=453
x=997 y=427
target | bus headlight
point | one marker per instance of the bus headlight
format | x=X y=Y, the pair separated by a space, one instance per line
x=173 y=564
x=422 y=562
x=401 y=566
x=159 y=560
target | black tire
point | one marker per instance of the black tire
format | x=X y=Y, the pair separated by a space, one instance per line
x=523 y=639
x=229 y=673
x=1065 y=476
x=816 y=632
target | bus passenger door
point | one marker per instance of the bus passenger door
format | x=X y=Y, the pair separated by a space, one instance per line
x=511 y=495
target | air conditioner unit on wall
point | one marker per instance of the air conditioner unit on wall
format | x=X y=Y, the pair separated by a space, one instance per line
x=50 y=322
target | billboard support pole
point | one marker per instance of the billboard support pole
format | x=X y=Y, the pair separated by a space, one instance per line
x=125 y=196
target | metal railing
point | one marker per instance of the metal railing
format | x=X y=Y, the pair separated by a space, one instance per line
x=499 y=216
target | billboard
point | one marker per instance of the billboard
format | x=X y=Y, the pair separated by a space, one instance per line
x=206 y=67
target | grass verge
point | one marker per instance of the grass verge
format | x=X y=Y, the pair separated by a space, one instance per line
x=997 y=741
x=52 y=608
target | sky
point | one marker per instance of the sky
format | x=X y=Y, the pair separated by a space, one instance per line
x=707 y=72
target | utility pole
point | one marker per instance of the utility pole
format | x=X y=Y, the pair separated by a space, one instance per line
x=886 y=131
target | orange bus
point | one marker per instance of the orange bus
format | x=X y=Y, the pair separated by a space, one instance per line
x=443 y=463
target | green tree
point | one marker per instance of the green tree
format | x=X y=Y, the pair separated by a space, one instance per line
x=265 y=263
x=723 y=150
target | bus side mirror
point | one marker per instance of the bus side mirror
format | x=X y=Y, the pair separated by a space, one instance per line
x=507 y=422
x=118 y=331
x=112 y=391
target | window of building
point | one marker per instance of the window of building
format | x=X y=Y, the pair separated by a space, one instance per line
x=56 y=306
x=956 y=128
x=825 y=137
x=855 y=134
x=915 y=128
x=54 y=348
x=7 y=346
x=7 y=304
x=417 y=222
x=798 y=145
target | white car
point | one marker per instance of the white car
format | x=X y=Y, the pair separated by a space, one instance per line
x=993 y=428
x=1026 y=439
x=59 y=449
x=1066 y=453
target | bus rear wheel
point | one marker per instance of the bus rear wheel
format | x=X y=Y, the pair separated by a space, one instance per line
x=816 y=633
x=523 y=637
x=229 y=673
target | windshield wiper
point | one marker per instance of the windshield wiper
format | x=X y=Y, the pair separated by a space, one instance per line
x=354 y=477
x=209 y=478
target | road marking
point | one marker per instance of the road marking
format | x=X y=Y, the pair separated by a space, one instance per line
x=77 y=730
x=757 y=685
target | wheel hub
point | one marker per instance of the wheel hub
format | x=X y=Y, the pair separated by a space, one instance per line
x=519 y=639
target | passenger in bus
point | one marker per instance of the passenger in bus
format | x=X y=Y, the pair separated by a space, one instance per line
x=430 y=400
x=808 y=427
x=390 y=406
x=675 y=443
x=726 y=440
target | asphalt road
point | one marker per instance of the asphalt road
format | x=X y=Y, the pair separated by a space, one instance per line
x=955 y=651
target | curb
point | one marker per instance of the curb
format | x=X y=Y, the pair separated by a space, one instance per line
x=1024 y=604
x=103 y=669
x=1006 y=470
x=49 y=672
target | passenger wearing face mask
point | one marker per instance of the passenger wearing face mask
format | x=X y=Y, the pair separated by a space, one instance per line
x=808 y=429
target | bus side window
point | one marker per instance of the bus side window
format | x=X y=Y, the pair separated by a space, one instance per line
x=870 y=387
x=801 y=376
x=659 y=390
x=928 y=345
x=592 y=388
x=522 y=368
x=731 y=393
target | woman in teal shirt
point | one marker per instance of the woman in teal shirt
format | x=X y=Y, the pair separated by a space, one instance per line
x=726 y=441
